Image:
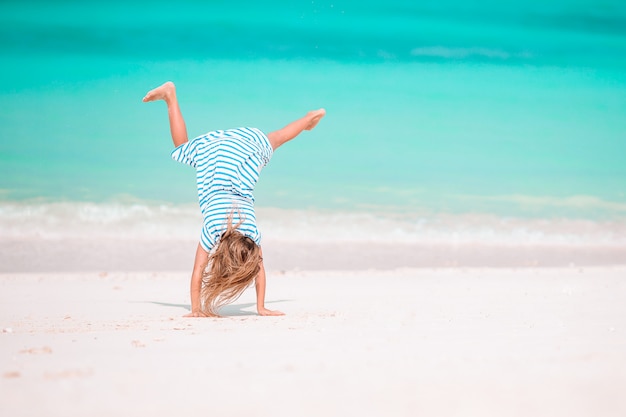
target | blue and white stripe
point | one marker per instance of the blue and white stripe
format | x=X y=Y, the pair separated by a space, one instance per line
x=228 y=164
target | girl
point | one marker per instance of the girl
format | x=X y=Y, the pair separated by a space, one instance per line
x=228 y=163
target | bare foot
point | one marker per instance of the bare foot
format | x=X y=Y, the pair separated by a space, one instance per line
x=163 y=92
x=314 y=117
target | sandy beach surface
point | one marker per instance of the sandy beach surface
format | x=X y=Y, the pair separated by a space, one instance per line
x=404 y=342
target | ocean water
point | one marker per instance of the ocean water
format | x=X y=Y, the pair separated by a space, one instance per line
x=446 y=120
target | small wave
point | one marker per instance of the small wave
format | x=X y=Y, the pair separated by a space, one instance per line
x=92 y=221
x=461 y=53
x=572 y=202
x=440 y=228
x=183 y=222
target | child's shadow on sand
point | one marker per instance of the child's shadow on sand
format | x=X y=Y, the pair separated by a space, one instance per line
x=229 y=310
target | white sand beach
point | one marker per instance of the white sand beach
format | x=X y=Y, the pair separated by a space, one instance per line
x=404 y=342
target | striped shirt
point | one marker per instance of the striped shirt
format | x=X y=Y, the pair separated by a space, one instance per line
x=228 y=164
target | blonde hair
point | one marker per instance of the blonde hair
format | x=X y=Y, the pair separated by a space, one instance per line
x=232 y=267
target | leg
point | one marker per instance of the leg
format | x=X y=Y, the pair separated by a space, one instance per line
x=293 y=129
x=167 y=92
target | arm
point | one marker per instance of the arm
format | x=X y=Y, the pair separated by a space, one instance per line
x=202 y=257
x=260 y=294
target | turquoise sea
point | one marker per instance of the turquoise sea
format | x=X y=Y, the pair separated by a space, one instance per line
x=447 y=113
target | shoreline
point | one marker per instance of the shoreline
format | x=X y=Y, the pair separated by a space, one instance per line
x=71 y=255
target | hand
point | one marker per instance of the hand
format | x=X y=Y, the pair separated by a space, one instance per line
x=196 y=313
x=265 y=312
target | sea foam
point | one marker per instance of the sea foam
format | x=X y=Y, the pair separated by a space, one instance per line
x=162 y=222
